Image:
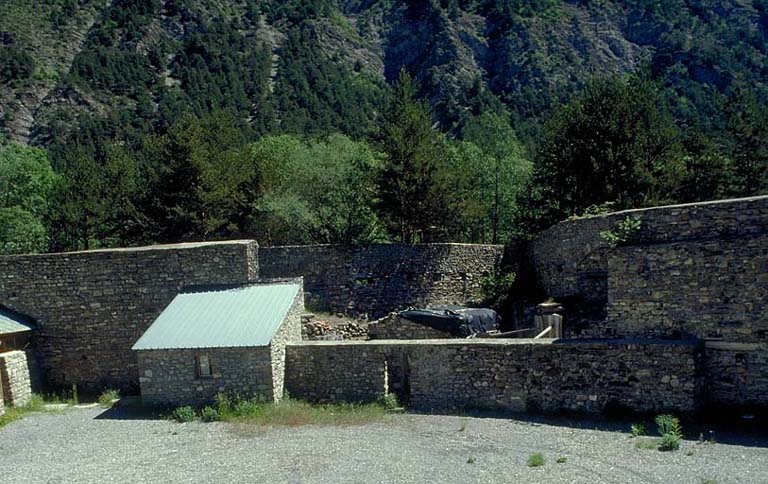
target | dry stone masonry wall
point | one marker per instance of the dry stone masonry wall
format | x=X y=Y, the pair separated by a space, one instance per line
x=379 y=278
x=515 y=375
x=15 y=378
x=290 y=331
x=92 y=306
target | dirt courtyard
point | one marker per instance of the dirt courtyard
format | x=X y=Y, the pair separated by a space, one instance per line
x=91 y=445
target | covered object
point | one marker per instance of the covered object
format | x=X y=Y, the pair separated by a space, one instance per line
x=458 y=321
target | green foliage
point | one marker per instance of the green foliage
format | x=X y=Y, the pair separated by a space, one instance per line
x=184 y=414
x=471 y=460
x=637 y=430
x=26 y=183
x=497 y=289
x=536 y=460
x=389 y=402
x=614 y=142
x=315 y=191
x=562 y=460
x=108 y=397
x=412 y=200
x=647 y=444
x=16 y=65
x=670 y=431
x=623 y=231
x=36 y=404
x=209 y=414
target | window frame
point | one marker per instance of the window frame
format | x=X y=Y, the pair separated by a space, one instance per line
x=199 y=358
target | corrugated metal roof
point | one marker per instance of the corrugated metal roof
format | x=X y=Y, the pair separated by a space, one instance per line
x=221 y=318
x=11 y=322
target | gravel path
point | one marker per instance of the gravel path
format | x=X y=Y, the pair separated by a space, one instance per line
x=90 y=446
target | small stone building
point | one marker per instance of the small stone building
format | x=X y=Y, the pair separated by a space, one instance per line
x=220 y=340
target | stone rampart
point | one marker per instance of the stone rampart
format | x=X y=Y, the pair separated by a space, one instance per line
x=15 y=377
x=379 y=278
x=92 y=306
x=571 y=258
x=512 y=375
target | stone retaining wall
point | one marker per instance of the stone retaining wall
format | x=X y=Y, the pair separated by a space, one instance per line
x=570 y=258
x=713 y=288
x=92 y=306
x=515 y=375
x=378 y=278
x=15 y=378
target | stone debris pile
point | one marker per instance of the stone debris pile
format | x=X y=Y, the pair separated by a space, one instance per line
x=331 y=328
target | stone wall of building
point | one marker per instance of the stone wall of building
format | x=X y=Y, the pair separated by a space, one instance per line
x=395 y=327
x=169 y=377
x=2 y=400
x=707 y=289
x=92 y=306
x=736 y=374
x=289 y=332
x=571 y=258
x=379 y=278
x=514 y=375
x=15 y=377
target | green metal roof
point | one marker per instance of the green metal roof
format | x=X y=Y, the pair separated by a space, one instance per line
x=11 y=322
x=221 y=318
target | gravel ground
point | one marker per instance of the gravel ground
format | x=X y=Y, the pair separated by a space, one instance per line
x=87 y=445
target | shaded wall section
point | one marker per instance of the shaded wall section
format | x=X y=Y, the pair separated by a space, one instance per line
x=92 y=306
x=379 y=278
x=512 y=375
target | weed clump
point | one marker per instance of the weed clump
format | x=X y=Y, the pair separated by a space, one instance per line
x=108 y=398
x=209 y=414
x=184 y=414
x=637 y=430
x=670 y=431
x=536 y=460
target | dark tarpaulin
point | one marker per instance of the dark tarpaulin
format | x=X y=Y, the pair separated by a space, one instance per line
x=458 y=321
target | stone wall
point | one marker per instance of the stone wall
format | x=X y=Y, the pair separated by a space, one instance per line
x=2 y=400
x=335 y=372
x=169 y=377
x=570 y=258
x=736 y=374
x=92 y=306
x=395 y=327
x=379 y=278
x=707 y=289
x=289 y=332
x=15 y=377
x=516 y=375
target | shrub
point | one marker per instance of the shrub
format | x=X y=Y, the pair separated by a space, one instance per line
x=623 y=232
x=209 y=414
x=497 y=288
x=636 y=430
x=669 y=442
x=536 y=460
x=388 y=401
x=184 y=414
x=108 y=397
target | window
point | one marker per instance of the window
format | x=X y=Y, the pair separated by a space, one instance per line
x=203 y=364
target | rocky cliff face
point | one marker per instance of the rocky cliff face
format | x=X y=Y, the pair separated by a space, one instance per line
x=526 y=54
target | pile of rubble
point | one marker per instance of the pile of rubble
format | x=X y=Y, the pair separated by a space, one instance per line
x=332 y=328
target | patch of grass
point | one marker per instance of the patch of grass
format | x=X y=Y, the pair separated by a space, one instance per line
x=108 y=397
x=649 y=444
x=294 y=413
x=389 y=402
x=463 y=424
x=536 y=460
x=562 y=460
x=471 y=460
x=209 y=414
x=637 y=430
x=36 y=404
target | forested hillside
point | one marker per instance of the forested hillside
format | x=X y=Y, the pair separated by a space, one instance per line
x=136 y=121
